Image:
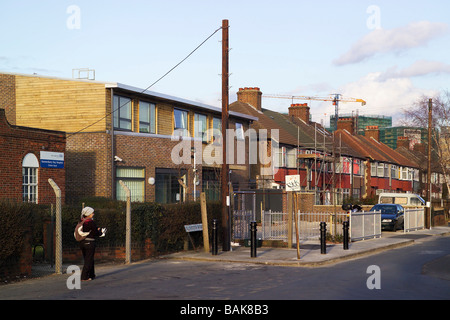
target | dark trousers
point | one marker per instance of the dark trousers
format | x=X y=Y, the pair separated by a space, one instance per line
x=88 y=250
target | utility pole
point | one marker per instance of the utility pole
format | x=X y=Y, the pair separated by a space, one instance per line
x=428 y=210
x=224 y=185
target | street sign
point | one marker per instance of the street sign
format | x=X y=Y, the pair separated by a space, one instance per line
x=53 y=160
x=293 y=183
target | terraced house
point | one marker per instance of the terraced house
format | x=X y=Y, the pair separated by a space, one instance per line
x=350 y=165
x=119 y=132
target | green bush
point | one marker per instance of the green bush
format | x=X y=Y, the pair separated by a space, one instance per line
x=17 y=221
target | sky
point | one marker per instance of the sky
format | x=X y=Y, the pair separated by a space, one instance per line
x=388 y=53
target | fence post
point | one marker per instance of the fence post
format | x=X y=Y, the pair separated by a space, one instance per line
x=128 y=223
x=58 y=227
x=323 y=237
x=253 y=239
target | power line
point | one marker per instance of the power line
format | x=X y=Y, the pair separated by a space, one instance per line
x=163 y=76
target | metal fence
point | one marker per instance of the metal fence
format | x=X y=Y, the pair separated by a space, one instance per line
x=414 y=219
x=274 y=225
x=365 y=225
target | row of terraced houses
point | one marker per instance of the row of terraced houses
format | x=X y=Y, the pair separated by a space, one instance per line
x=87 y=135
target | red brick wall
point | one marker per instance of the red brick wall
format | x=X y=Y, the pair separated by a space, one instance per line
x=15 y=144
x=8 y=96
x=88 y=165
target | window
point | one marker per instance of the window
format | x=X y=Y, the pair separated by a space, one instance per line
x=147 y=117
x=180 y=121
x=134 y=179
x=167 y=187
x=122 y=113
x=380 y=169
x=200 y=126
x=217 y=130
x=239 y=131
x=373 y=169
x=30 y=164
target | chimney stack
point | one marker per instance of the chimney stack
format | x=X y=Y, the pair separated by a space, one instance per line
x=403 y=142
x=373 y=132
x=252 y=96
x=347 y=124
x=299 y=110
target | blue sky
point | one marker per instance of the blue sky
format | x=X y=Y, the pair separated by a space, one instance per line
x=388 y=53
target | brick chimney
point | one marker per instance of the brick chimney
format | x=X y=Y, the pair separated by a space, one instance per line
x=346 y=124
x=299 y=110
x=373 y=131
x=403 y=142
x=252 y=96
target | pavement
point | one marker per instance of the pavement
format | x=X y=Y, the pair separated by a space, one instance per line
x=310 y=252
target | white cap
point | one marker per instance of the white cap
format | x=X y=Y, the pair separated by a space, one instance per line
x=86 y=212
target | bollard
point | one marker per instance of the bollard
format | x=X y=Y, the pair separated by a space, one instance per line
x=345 y=227
x=253 y=243
x=214 y=237
x=323 y=238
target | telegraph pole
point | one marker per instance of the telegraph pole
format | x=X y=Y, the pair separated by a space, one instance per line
x=224 y=183
x=428 y=210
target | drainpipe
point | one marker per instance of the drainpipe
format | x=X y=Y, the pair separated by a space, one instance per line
x=113 y=171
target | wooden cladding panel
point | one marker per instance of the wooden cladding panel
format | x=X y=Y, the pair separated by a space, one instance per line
x=48 y=103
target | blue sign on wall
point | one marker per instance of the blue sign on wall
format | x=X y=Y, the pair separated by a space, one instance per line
x=52 y=160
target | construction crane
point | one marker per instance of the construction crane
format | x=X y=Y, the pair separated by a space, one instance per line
x=336 y=98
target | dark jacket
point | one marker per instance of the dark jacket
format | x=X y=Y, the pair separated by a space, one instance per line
x=90 y=226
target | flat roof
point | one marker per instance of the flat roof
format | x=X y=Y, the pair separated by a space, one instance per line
x=125 y=87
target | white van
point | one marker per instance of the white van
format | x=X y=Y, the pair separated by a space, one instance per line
x=404 y=199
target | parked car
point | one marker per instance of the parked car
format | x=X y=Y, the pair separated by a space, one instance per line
x=392 y=215
x=404 y=199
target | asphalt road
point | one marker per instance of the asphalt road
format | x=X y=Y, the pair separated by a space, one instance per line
x=420 y=271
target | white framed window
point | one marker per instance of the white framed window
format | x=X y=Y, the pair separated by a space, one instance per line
x=239 y=131
x=134 y=179
x=30 y=165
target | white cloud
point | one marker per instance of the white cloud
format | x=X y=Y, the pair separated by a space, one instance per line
x=388 y=98
x=413 y=35
x=419 y=68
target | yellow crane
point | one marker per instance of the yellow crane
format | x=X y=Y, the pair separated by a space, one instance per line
x=335 y=98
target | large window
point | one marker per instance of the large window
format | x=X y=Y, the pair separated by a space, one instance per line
x=180 y=121
x=30 y=164
x=147 y=117
x=122 y=113
x=217 y=131
x=134 y=179
x=167 y=187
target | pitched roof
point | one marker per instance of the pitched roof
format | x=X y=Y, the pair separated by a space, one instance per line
x=264 y=122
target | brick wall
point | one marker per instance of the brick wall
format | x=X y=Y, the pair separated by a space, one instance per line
x=15 y=143
x=88 y=165
x=8 y=96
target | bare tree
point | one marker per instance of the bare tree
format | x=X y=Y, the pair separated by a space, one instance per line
x=418 y=116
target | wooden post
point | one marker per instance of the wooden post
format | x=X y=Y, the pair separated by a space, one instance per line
x=204 y=221
x=290 y=209
x=297 y=235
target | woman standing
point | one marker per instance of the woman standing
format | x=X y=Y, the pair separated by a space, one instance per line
x=88 y=244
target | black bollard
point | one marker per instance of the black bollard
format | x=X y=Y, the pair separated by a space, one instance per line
x=323 y=238
x=214 y=237
x=253 y=243
x=345 y=227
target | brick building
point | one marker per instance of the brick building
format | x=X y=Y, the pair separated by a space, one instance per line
x=28 y=158
x=118 y=132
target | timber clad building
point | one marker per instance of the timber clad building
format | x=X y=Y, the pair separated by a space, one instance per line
x=118 y=132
